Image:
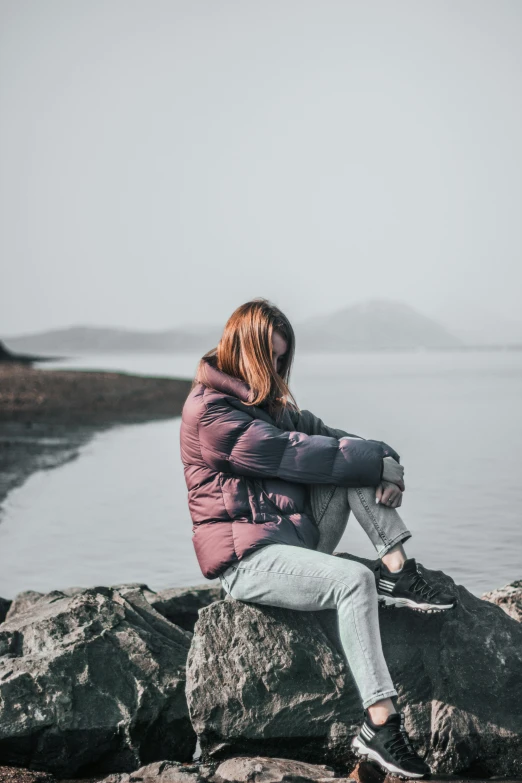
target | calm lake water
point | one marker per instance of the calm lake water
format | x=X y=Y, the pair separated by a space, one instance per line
x=119 y=512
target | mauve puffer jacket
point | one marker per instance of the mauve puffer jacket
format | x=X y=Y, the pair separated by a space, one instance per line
x=247 y=478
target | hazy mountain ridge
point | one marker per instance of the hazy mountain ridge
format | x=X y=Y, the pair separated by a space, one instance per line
x=100 y=339
x=377 y=324
x=374 y=325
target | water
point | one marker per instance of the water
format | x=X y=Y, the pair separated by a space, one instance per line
x=119 y=512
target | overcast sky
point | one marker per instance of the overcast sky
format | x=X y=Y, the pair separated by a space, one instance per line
x=163 y=161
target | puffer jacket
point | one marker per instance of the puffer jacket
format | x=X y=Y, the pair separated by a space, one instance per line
x=247 y=478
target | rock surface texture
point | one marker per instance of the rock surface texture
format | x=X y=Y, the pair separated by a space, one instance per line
x=241 y=769
x=258 y=769
x=246 y=769
x=509 y=598
x=92 y=682
x=161 y=772
x=274 y=682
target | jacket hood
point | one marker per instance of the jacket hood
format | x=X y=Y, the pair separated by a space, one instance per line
x=225 y=383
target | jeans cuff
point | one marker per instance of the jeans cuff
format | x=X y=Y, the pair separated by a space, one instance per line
x=400 y=537
x=378 y=696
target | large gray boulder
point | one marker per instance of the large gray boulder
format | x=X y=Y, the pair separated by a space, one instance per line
x=262 y=680
x=272 y=681
x=92 y=683
x=509 y=598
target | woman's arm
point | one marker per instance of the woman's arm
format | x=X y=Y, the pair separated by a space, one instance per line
x=306 y=421
x=232 y=441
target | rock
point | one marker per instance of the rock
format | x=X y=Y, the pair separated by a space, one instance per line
x=167 y=771
x=23 y=775
x=22 y=602
x=144 y=588
x=181 y=605
x=162 y=772
x=116 y=777
x=509 y=598
x=26 y=599
x=93 y=683
x=5 y=605
x=242 y=769
x=274 y=682
x=259 y=769
x=262 y=680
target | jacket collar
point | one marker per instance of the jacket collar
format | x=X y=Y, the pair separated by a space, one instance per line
x=225 y=383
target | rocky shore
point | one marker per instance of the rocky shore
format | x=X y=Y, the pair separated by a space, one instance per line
x=46 y=416
x=118 y=684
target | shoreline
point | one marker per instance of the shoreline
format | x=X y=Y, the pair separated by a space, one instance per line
x=47 y=416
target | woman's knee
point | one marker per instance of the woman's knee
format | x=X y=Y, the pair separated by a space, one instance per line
x=357 y=576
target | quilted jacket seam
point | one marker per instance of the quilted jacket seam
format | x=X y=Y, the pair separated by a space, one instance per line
x=220 y=481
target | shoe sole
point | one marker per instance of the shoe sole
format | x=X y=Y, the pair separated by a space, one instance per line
x=371 y=755
x=389 y=600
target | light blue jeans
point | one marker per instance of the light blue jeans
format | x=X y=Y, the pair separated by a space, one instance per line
x=309 y=580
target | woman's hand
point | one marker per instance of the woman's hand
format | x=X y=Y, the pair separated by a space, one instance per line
x=393 y=471
x=389 y=494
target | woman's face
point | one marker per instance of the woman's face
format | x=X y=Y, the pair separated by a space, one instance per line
x=279 y=346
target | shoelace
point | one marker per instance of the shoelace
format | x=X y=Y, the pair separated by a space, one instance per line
x=401 y=747
x=419 y=585
x=405 y=734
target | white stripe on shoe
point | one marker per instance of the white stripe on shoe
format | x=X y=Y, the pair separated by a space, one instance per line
x=385 y=587
x=366 y=731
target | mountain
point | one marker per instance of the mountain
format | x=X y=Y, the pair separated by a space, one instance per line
x=98 y=339
x=377 y=324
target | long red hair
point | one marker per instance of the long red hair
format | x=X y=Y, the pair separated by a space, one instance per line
x=245 y=352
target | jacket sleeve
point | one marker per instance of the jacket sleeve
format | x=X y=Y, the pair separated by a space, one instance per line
x=306 y=421
x=232 y=441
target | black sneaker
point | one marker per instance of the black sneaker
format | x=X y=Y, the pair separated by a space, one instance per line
x=389 y=746
x=408 y=587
